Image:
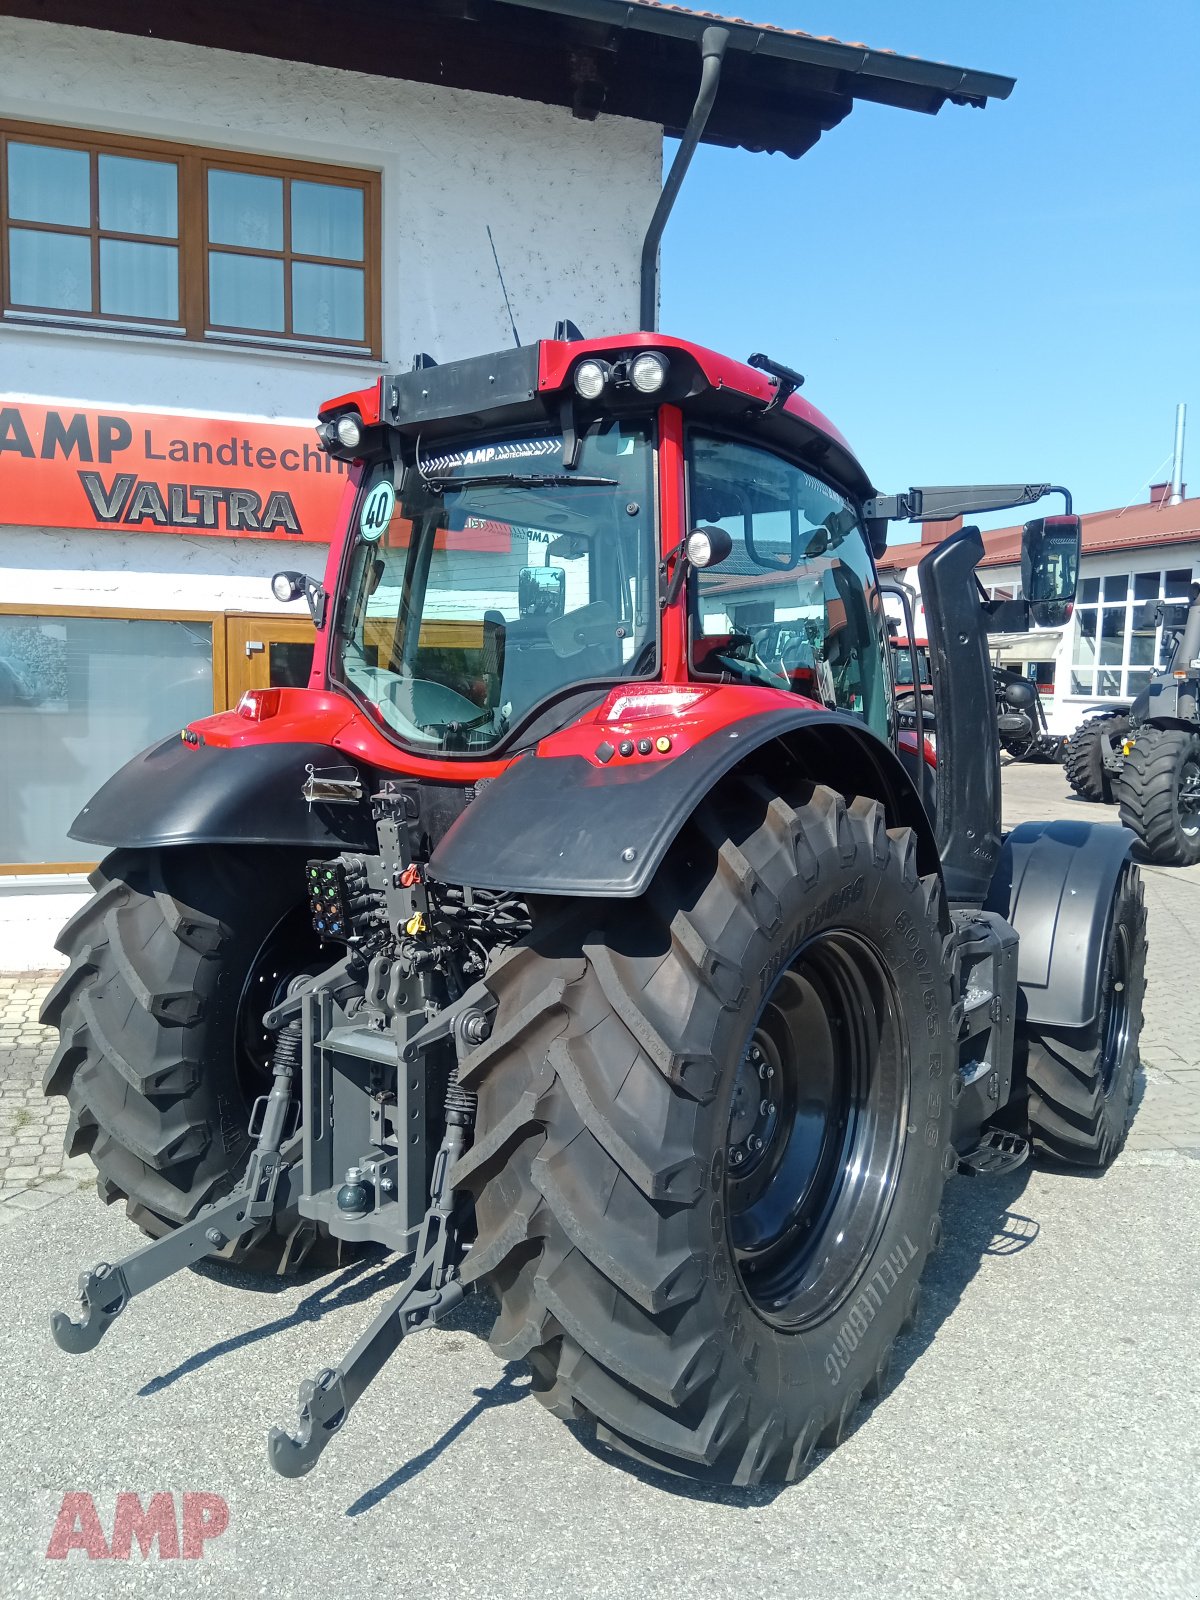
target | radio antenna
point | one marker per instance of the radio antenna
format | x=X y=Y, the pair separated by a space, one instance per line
x=503 y=290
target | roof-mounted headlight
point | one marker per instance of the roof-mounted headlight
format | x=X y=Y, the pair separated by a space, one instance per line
x=349 y=431
x=343 y=435
x=648 y=373
x=591 y=379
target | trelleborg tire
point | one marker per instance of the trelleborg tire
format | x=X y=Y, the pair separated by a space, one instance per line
x=719 y=1307
x=1158 y=792
x=1083 y=755
x=161 y=1051
x=1081 y=1080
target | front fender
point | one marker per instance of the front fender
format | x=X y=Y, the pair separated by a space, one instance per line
x=178 y=794
x=1054 y=883
x=560 y=826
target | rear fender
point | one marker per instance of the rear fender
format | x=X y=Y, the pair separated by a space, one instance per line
x=561 y=826
x=176 y=793
x=1168 y=703
x=1054 y=883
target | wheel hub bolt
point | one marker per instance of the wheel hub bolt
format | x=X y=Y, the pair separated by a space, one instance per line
x=766 y=1070
x=735 y=1158
x=754 y=1142
x=765 y=1108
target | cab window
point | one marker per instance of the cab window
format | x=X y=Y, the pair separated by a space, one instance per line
x=795 y=605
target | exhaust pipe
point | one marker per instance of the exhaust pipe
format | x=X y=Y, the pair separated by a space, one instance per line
x=712 y=49
x=1176 y=497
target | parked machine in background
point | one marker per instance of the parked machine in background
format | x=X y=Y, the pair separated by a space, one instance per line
x=1147 y=758
x=1021 y=718
x=1093 y=754
x=911 y=675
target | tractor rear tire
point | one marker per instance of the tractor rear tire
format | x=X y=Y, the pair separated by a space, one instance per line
x=161 y=1050
x=713 y=1134
x=1083 y=755
x=1159 y=795
x=1081 y=1080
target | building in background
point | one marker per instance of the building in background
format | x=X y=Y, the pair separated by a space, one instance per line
x=1105 y=655
x=199 y=246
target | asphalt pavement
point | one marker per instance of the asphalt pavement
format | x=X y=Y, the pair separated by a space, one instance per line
x=1040 y=1437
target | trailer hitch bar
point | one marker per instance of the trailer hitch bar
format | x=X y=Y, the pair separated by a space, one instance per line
x=105 y=1290
x=432 y=1288
x=269 y=1184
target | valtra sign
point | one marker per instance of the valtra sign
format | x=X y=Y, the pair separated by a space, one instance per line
x=142 y=472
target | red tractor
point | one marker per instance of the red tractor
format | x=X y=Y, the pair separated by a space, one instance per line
x=580 y=931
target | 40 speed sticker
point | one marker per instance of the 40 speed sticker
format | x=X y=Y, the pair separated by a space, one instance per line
x=376 y=511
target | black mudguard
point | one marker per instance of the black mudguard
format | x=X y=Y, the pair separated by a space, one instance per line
x=561 y=826
x=1054 y=882
x=1169 y=703
x=176 y=794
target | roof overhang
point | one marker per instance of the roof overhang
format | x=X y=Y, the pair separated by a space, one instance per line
x=780 y=89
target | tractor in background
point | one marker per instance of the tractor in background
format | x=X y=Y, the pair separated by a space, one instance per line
x=1147 y=758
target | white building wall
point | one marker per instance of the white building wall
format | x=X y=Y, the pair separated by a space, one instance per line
x=567 y=201
x=1066 y=710
x=147 y=571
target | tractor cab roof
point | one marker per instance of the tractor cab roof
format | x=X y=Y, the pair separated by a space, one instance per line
x=533 y=383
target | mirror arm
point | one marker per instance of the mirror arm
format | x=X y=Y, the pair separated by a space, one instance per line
x=318 y=601
x=572 y=441
x=669 y=595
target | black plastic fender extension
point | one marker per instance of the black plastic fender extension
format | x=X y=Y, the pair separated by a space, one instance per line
x=179 y=794
x=561 y=826
x=1054 y=883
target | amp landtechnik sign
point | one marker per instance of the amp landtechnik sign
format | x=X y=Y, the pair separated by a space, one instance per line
x=164 y=473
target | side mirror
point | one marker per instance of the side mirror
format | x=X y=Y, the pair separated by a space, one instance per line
x=1050 y=551
x=542 y=592
x=288 y=586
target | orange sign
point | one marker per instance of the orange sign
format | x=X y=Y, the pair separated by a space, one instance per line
x=134 y=471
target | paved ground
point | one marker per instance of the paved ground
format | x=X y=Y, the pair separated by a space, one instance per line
x=1043 y=1441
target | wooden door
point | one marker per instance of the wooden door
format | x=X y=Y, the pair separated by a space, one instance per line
x=266 y=652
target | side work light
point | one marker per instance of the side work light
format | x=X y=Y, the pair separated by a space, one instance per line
x=349 y=431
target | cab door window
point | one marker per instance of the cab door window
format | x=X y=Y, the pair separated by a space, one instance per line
x=795 y=605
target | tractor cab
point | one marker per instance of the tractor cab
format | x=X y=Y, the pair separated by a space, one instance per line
x=594 y=513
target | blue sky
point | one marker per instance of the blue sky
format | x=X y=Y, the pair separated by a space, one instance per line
x=987 y=296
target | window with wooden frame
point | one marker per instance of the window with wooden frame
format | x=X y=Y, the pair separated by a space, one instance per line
x=189 y=243
x=82 y=689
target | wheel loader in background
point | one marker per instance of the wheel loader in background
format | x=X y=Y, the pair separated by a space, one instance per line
x=1147 y=757
x=586 y=929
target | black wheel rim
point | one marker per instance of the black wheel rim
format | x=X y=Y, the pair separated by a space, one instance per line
x=291 y=948
x=816 y=1130
x=1189 y=797
x=1117 y=1022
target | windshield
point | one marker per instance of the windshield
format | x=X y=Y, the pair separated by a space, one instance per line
x=795 y=604
x=467 y=604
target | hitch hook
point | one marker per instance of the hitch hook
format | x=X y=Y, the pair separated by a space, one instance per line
x=323 y=1409
x=103 y=1294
